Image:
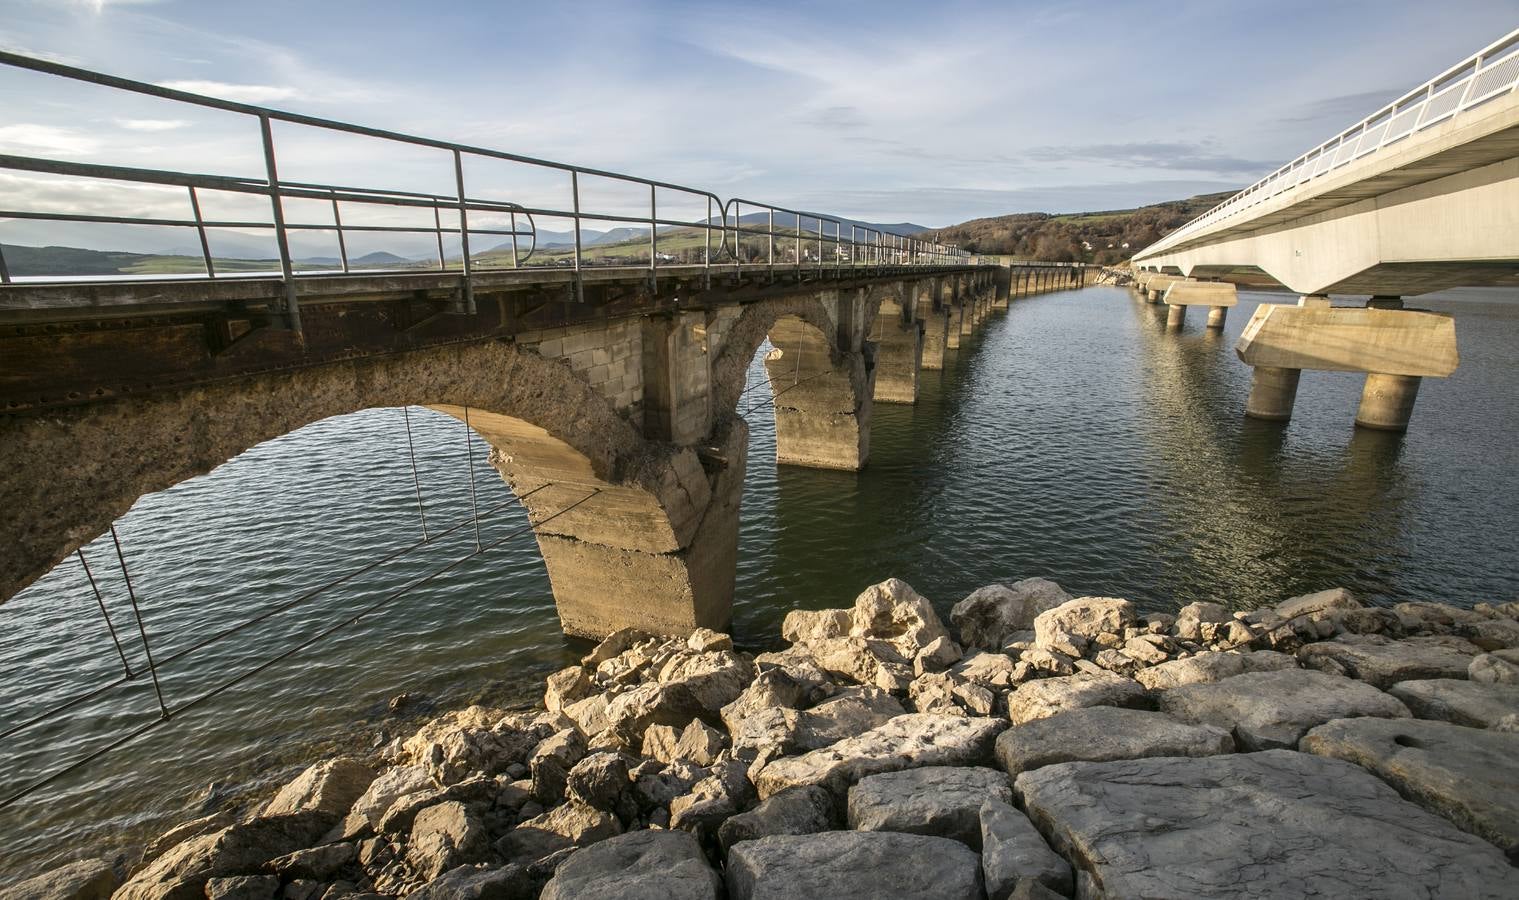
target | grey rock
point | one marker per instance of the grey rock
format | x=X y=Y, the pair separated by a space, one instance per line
x=572 y=824
x=892 y=611
x=1266 y=710
x=1276 y=824
x=1318 y=603
x=1498 y=667
x=85 y=879
x=705 y=640
x=1045 y=697
x=444 y=837
x=881 y=865
x=331 y=786
x=988 y=669
x=480 y=882
x=724 y=792
x=1467 y=775
x=566 y=686
x=905 y=742
x=1013 y=853
x=241 y=849
x=944 y=801
x=551 y=762
x=320 y=863
x=800 y=810
x=990 y=615
x=1102 y=733
x=1201 y=621
x=803 y=625
x=598 y=779
x=1084 y=617
x=184 y=831
x=1383 y=662
x=938 y=655
x=387 y=787
x=1462 y=702
x=1211 y=666
x=642 y=865
x=243 y=887
x=868 y=661
x=852 y=711
x=698 y=743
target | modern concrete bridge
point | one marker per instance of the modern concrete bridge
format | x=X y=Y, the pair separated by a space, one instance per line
x=609 y=393
x=1420 y=196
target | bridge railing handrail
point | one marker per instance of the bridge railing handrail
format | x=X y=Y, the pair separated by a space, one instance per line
x=718 y=239
x=1485 y=75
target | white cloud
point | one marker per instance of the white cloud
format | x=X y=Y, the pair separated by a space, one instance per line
x=152 y=124
x=27 y=138
x=240 y=93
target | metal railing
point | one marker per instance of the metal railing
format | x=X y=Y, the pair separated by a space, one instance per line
x=1485 y=75
x=802 y=241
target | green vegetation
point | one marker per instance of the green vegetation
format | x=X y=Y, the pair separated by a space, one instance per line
x=1108 y=236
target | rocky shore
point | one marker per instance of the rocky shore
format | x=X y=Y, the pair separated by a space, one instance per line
x=1037 y=746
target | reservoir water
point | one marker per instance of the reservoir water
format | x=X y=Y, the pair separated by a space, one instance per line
x=1072 y=437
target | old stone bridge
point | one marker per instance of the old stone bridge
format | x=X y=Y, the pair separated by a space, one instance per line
x=608 y=384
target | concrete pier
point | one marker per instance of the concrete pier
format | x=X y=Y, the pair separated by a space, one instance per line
x=1176 y=316
x=934 y=314
x=822 y=399
x=1273 y=391
x=1387 y=401
x=898 y=336
x=956 y=314
x=1218 y=296
x=1216 y=316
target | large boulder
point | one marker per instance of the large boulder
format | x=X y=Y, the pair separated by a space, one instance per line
x=864 y=660
x=444 y=837
x=641 y=865
x=622 y=718
x=893 y=612
x=570 y=824
x=1498 y=667
x=330 y=787
x=1467 y=775
x=991 y=615
x=1383 y=662
x=800 y=810
x=477 y=882
x=1102 y=733
x=388 y=787
x=852 y=711
x=85 y=879
x=1277 y=824
x=906 y=742
x=242 y=849
x=1211 y=666
x=944 y=801
x=881 y=865
x=1045 y=697
x=1013 y=853
x=697 y=742
x=803 y=625
x=1462 y=702
x=1202 y=621
x=1319 y=603
x=1084 y=617
x=1266 y=710
x=475 y=741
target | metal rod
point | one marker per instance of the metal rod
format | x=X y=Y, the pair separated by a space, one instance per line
x=337 y=222
x=653 y=228
x=200 y=228
x=707 y=236
x=142 y=630
x=5 y=274
x=469 y=449
x=575 y=197
x=411 y=450
x=437 y=218
x=515 y=263
x=100 y=601
x=469 y=285
x=281 y=240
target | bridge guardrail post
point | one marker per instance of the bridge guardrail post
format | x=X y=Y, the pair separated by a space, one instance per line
x=281 y=239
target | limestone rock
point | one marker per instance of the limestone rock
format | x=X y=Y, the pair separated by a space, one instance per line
x=626 y=716
x=1383 y=662
x=881 y=865
x=86 y=879
x=1266 y=710
x=905 y=742
x=722 y=793
x=853 y=711
x=804 y=625
x=944 y=801
x=1498 y=667
x=714 y=678
x=443 y=837
x=1201 y=621
x=991 y=615
x=399 y=818
x=241 y=849
x=551 y=762
x=996 y=670
x=863 y=660
x=572 y=824
x=1318 y=603
x=1462 y=702
x=388 y=787
x=1145 y=649
x=800 y=810
x=1084 y=617
x=566 y=686
x=705 y=640
x=476 y=741
x=774 y=688
x=938 y=655
x=642 y=865
x=1467 y=775
x=184 y=831
x=598 y=779
x=1038 y=699
x=614 y=645
x=1013 y=852
x=330 y=787
x=1277 y=824
x=934 y=692
x=243 y=887
x=892 y=611
x=1103 y=733
x=698 y=743
x=479 y=882
x=318 y=863
x=1211 y=666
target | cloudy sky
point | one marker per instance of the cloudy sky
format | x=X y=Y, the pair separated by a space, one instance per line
x=925 y=112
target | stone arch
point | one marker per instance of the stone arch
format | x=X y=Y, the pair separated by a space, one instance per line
x=75 y=471
x=821 y=372
x=892 y=325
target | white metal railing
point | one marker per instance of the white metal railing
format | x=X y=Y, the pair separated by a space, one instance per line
x=1490 y=73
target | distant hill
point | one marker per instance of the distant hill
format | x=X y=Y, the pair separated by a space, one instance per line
x=1109 y=236
x=23 y=261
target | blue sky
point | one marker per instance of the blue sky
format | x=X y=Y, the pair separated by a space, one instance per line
x=928 y=112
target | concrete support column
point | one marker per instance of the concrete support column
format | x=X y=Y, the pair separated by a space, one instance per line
x=1004 y=288
x=1272 y=393
x=1216 y=316
x=677 y=377
x=1176 y=316
x=898 y=337
x=822 y=398
x=1387 y=401
x=968 y=312
x=935 y=319
x=956 y=315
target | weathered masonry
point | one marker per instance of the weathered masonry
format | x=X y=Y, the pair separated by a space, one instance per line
x=623 y=395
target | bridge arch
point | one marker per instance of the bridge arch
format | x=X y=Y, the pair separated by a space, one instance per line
x=821 y=371
x=892 y=324
x=658 y=518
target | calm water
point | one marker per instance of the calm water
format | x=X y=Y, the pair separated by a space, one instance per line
x=1071 y=438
